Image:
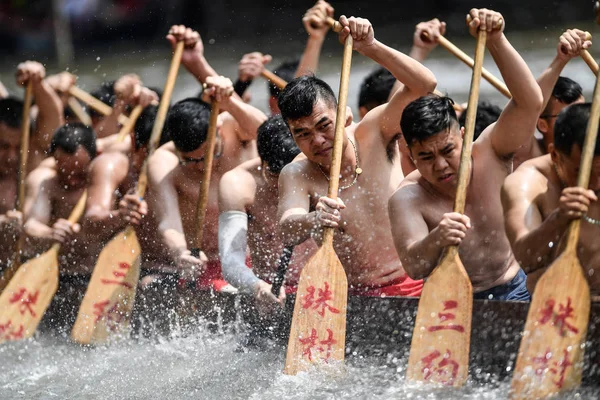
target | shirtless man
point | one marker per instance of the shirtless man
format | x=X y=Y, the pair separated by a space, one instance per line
x=60 y=186
x=176 y=169
x=541 y=198
x=248 y=198
x=558 y=93
x=423 y=223
x=370 y=169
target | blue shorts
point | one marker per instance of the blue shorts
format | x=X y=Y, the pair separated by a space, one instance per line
x=515 y=290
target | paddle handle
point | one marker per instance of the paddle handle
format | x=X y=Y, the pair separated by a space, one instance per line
x=277 y=81
x=96 y=104
x=462 y=56
x=589 y=60
x=128 y=127
x=335 y=25
x=79 y=111
x=587 y=155
x=282 y=266
x=161 y=115
x=208 y=164
x=340 y=127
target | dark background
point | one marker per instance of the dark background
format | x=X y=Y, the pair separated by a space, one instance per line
x=27 y=27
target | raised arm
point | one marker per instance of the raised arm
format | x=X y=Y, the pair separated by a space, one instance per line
x=417 y=79
x=248 y=117
x=534 y=238
x=516 y=124
x=50 y=108
x=38 y=210
x=419 y=248
x=193 y=54
x=315 y=23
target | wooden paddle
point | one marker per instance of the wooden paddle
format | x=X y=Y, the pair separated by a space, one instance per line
x=96 y=104
x=550 y=358
x=277 y=81
x=105 y=311
x=318 y=332
x=79 y=111
x=462 y=56
x=20 y=201
x=209 y=157
x=29 y=293
x=439 y=352
x=589 y=60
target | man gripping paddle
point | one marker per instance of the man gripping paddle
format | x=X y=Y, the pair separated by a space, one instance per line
x=422 y=220
x=370 y=169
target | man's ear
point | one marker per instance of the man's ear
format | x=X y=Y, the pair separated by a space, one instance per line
x=542 y=125
x=349 y=116
x=362 y=111
x=553 y=152
x=462 y=132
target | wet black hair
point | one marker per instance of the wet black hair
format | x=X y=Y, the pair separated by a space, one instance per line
x=566 y=91
x=70 y=136
x=375 y=88
x=300 y=96
x=487 y=114
x=287 y=72
x=106 y=94
x=143 y=128
x=570 y=128
x=11 y=112
x=426 y=117
x=187 y=124
x=275 y=143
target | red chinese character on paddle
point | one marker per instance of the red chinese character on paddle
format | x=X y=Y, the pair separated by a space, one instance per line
x=311 y=342
x=557 y=368
x=323 y=296
x=26 y=299
x=118 y=274
x=447 y=316
x=9 y=333
x=446 y=369
x=559 y=319
x=112 y=316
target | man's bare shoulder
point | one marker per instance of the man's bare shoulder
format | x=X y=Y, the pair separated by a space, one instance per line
x=113 y=159
x=299 y=169
x=162 y=162
x=531 y=176
x=410 y=190
x=44 y=172
x=237 y=187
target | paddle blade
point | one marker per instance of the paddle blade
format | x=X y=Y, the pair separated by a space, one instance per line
x=550 y=358
x=26 y=298
x=105 y=311
x=318 y=332
x=439 y=352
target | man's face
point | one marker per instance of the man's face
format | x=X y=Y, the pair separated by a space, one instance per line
x=195 y=160
x=569 y=168
x=438 y=157
x=548 y=118
x=10 y=143
x=72 y=169
x=314 y=134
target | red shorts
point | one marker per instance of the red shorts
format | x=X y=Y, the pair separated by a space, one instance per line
x=403 y=286
x=212 y=277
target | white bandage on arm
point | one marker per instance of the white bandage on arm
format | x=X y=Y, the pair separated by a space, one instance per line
x=233 y=232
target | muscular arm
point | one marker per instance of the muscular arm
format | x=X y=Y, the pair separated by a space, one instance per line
x=417 y=247
x=50 y=115
x=418 y=80
x=310 y=58
x=549 y=77
x=38 y=210
x=163 y=199
x=516 y=124
x=248 y=117
x=236 y=192
x=102 y=218
x=529 y=234
x=296 y=222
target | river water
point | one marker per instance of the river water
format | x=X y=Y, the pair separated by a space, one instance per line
x=204 y=365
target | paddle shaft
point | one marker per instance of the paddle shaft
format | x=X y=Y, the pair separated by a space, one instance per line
x=277 y=81
x=161 y=115
x=464 y=171
x=79 y=111
x=96 y=104
x=130 y=125
x=589 y=60
x=208 y=164
x=282 y=265
x=462 y=56
x=585 y=166
x=340 y=127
